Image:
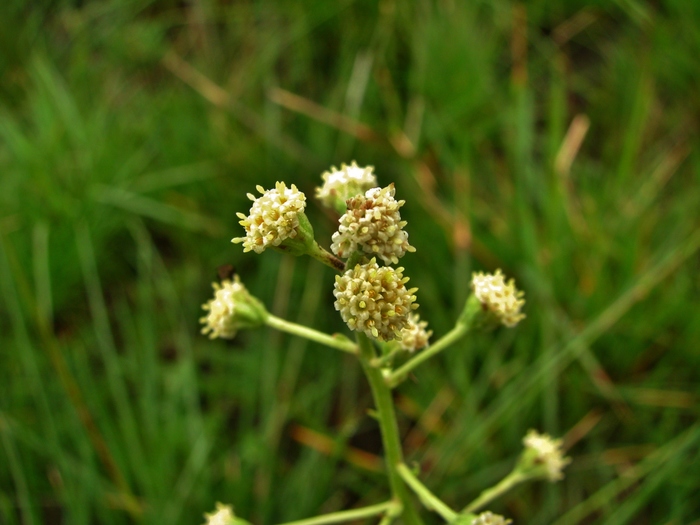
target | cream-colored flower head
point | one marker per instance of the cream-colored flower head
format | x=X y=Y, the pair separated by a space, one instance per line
x=272 y=218
x=348 y=181
x=499 y=297
x=222 y=516
x=374 y=299
x=414 y=335
x=543 y=451
x=373 y=223
x=231 y=309
x=489 y=518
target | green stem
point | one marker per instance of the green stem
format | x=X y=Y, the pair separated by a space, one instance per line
x=348 y=515
x=430 y=500
x=400 y=374
x=497 y=490
x=327 y=258
x=339 y=342
x=387 y=519
x=389 y=428
x=381 y=361
x=353 y=260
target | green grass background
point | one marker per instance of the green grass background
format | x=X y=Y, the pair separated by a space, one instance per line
x=130 y=132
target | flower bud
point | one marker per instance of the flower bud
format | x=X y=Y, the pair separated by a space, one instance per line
x=493 y=302
x=223 y=516
x=542 y=457
x=489 y=518
x=340 y=185
x=231 y=309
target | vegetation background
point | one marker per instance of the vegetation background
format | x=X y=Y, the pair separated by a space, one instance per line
x=555 y=139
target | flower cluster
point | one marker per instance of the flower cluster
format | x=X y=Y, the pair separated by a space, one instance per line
x=373 y=224
x=544 y=453
x=348 y=181
x=231 y=309
x=374 y=299
x=222 y=516
x=498 y=297
x=489 y=518
x=414 y=335
x=273 y=217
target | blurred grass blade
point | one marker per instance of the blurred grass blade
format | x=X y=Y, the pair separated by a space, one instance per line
x=220 y=98
x=529 y=382
x=24 y=501
x=116 y=382
x=153 y=209
x=176 y=176
x=321 y=114
x=42 y=277
x=655 y=462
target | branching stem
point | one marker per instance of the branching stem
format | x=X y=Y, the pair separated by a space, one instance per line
x=389 y=428
x=430 y=500
x=339 y=342
x=400 y=374
x=497 y=490
x=387 y=507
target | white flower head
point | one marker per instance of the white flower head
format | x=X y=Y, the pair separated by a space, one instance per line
x=222 y=516
x=489 y=518
x=541 y=451
x=231 y=309
x=414 y=335
x=374 y=299
x=499 y=297
x=348 y=181
x=373 y=224
x=273 y=217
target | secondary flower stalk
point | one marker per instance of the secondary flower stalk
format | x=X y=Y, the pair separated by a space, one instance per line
x=541 y=458
x=429 y=500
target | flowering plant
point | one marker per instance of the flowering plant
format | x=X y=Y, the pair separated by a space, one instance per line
x=373 y=299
